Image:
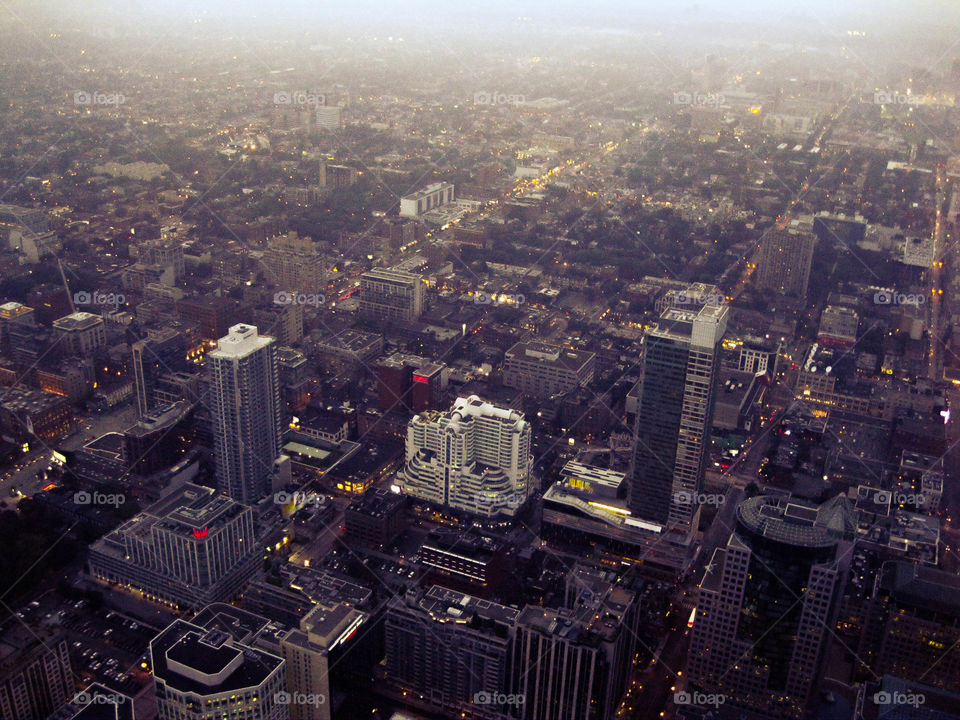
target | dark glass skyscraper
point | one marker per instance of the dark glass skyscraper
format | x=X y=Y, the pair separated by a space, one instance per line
x=674 y=412
x=767 y=603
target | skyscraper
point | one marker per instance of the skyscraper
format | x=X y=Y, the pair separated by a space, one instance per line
x=767 y=602
x=674 y=411
x=245 y=412
x=785 y=258
x=474 y=457
x=307 y=652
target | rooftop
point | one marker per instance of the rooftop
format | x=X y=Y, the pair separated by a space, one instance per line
x=240 y=341
x=797 y=522
x=78 y=321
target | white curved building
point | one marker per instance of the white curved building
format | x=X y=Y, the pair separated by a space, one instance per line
x=474 y=457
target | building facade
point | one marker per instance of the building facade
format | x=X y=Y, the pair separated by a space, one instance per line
x=474 y=457
x=390 y=296
x=215 y=667
x=430 y=197
x=544 y=370
x=35 y=674
x=191 y=548
x=767 y=602
x=785 y=258
x=675 y=397
x=245 y=400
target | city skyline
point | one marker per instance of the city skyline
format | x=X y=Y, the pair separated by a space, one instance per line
x=511 y=361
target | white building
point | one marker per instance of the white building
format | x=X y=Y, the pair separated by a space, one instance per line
x=245 y=409
x=218 y=666
x=474 y=457
x=430 y=197
x=191 y=548
x=80 y=333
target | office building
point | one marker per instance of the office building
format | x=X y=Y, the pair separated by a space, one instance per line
x=35 y=673
x=167 y=254
x=574 y=662
x=80 y=333
x=767 y=602
x=675 y=396
x=375 y=518
x=409 y=383
x=390 y=296
x=474 y=457
x=16 y=321
x=757 y=355
x=161 y=352
x=97 y=702
x=191 y=548
x=337 y=177
x=245 y=400
x=215 y=666
x=26 y=413
x=292 y=263
x=310 y=650
x=447 y=647
x=426 y=199
x=18 y=335
x=212 y=314
x=588 y=506
x=838 y=326
x=543 y=370
x=461 y=654
x=159 y=439
x=464 y=556
x=912 y=626
x=784 y=264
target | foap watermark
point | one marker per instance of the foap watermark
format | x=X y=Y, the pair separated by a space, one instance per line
x=298 y=97
x=688 y=697
x=96 y=297
x=297 y=298
x=899 y=698
x=498 y=98
x=82 y=97
x=687 y=298
x=298 y=497
x=698 y=99
x=886 y=97
x=891 y=297
x=498 y=698
x=299 y=698
x=484 y=298
x=86 y=698
x=886 y=497
x=690 y=498
x=510 y=500
x=98 y=498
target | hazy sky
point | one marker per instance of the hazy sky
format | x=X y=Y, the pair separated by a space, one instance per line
x=428 y=12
